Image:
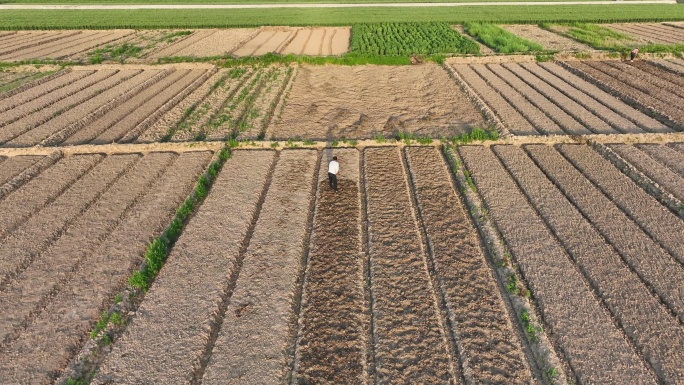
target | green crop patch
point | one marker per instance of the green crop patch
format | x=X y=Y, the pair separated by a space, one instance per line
x=499 y=39
x=388 y=39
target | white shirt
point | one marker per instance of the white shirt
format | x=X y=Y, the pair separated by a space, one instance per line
x=333 y=167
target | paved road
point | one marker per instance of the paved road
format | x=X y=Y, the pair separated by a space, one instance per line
x=239 y=6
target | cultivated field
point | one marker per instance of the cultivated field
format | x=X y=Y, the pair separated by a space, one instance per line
x=593 y=238
x=576 y=97
x=375 y=303
x=298 y=41
x=74 y=228
x=60 y=45
x=651 y=33
x=361 y=102
x=549 y=40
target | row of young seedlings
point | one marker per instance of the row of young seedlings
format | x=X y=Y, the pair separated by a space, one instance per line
x=548 y=364
x=114 y=320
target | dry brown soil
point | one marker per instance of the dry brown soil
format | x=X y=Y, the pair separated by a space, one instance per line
x=547 y=39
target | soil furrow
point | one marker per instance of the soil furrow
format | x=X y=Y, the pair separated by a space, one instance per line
x=186 y=295
x=44 y=50
x=98 y=106
x=22 y=37
x=490 y=348
x=331 y=344
x=644 y=121
x=273 y=43
x=39 y=273
x=13 y=166
x=669 y=65
x=663 y=274
x=153 y=103
x=656 y=333
x=313 y=45
x=29 y=173
x=27 y=84
x=538 y=119
x=340 y=42
x=120 y=114
x=657 y=71
x=644 y=33
x=584 y=116
x=410 y=345
x=261 y=306
x=52 y=99
x=648 y=96
x=44 y=91
x=49 y=38
x=75 y=47
x=263 y=107
x=23 y=131
x=666 y=155
x=251 y=46
x=567 y=123
x=176 y=47
x=514 y=121
x=595 y=349
x=586 y=99
x=654 y=218
x=659 y=173
x=42 y=190
x=299 y=42
x=74 y=311
x=166 y=125
x=669 y=91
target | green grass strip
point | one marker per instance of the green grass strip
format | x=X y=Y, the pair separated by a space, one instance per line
x=499 y=39
x=158 y=250
x=223 y=18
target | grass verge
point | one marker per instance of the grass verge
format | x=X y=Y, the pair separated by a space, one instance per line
x=499 y=39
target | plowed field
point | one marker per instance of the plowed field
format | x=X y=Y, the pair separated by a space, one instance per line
x=298 y=41
x=546 y=98
x=60 y=45
x=70 y=245
x=651 y=33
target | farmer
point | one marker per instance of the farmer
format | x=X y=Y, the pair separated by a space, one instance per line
x=633 y=54
x=333 y=169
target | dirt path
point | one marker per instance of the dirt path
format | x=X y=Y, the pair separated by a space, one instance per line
x=169 y=333
x=331 y=347
x=409 y=338
x=596 y=350
x=489 y=346
x=651 y=327
x=262 y=305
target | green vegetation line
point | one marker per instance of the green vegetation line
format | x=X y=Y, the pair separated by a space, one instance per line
x=223 y=18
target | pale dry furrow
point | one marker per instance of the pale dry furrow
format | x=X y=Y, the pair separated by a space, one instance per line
x=567 y=123
x=536 y=117
x=163 y=127
x=14 y=165
x=669 y=65
x=29 y=173
x=595 y=349
x=251 y=46
x=645 y=122
x=21 y=37
x=666 y=155
x=256 y=336
x=98 y=106
x=653 y=169
x=314 y=44
x=189 y=41
x=51 y=100
x=43 y=51
x=33 y=93
x=120 y=114
x=74 y=311
x=72 y=48
x=488 y=344
x=652 y=263
x=644 y=33
x=657 y=334
x=340 y=41
x=128 y=125
x=298 y=44
x=511 y=118
x=644 y=209
x=584 y=116
x=22 y=131
x=186 y=295
x=410 y=343
x=41 y=190
x=50 y=37
x=587 y=100
x=274 y=43
x=331 y=345
x=669 y=91
x=25 y=293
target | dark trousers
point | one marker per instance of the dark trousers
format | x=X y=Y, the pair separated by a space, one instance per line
x=332 y=181
x=632 y=55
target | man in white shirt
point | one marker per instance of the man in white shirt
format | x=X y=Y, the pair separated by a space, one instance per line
x=333 y=169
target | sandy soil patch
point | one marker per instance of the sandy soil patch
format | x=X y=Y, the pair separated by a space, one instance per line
x=363 y=101
x=649 y=33
x=298 y=41
x=547 y=39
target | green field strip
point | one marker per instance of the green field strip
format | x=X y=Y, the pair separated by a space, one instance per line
x=217 y=18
